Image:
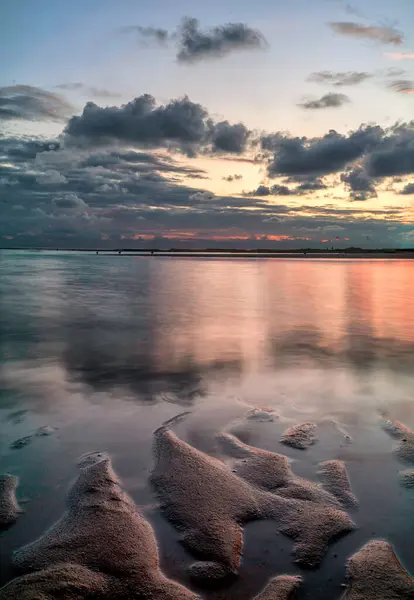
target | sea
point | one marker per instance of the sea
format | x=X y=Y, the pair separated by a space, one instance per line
x=99 y=350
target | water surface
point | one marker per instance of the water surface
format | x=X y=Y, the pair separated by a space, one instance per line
x=106 y=348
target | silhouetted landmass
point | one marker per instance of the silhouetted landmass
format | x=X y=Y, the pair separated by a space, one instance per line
x=332 y=251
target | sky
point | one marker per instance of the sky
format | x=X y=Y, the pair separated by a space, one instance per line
x=271 y=124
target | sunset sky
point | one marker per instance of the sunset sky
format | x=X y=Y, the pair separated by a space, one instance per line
x=219 y=124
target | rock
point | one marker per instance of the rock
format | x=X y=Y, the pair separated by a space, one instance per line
x=9 y=507
x=407 y=478
x=280 y=588
x=209 y=504
x=335 y=478
x=405 y=448
x=102 y=547
x=21 y=442
x=375 y=573
x=300 y=436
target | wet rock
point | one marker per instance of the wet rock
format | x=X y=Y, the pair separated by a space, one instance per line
x=45 y=430
x=262 y=415
x=300 y=436
x=375 y=573
x=405 y=448
x=280 y=588
x=21 y=442
x=272 y=472
x=9 y=507
x=209 y=503
x=335 y=478
x=101 y=548
x=407 y=478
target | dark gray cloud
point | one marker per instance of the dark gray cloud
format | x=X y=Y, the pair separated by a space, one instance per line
x=339 y=79
x=180 y=124
x=403 y=86
x=384 y=35
x=195 y=44
x=156 y=34
x=312 y=185
x=88 y=90
x=300 y=156
x=229 y=138
x=30 y=103
x=60 y=194
x=231 y=178
x=408 y=189
x=331 y=100
x=273 y=190
x=360 y=184
x=393 y=155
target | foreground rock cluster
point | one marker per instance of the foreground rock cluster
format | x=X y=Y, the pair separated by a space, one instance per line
x=103 y=548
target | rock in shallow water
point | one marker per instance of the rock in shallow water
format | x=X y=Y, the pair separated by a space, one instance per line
x=280 y=588
x=375 y=573
x=300 y=436
x=335 y=477
x=9 y=507
x=407 y=478
x=102 y=548
x=208 y=503
x=405 y=448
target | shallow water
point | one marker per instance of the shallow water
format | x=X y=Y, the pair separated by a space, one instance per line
x=106 y=348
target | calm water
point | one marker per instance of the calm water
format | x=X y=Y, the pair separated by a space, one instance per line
x=106 y=348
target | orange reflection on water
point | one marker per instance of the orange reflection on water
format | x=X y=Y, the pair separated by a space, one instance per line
x=208 y=312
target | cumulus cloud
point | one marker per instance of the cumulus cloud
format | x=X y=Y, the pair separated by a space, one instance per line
x=69 y=202
x=274 y=190
x=88 y=90
x=339 y=79
x=330 y=100
x=408 y=189
x=231 y=178
x=51 y=177
x=318 y=156
x=114 y=195
x=180 y=124
x=195 y=44
x=360 y=184
x=29 y=102
x=385 y=35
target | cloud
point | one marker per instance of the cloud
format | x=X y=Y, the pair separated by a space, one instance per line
x=88 y=90
x=311 y=185
x=93 y=195
x=408 y=189
x=274 y=190
x=400 y=55
x=359 y=183
x=330 y=100
x=30 y=103
x=229 y=138
x=196 y=45
x=385 y=35
x=339 y=79
x=231 y=178
x=318 y=156
x=51 y=177
x=180 y=124
x=156 y=34
x=69 y=202
x=403 y=86
x=393 y=155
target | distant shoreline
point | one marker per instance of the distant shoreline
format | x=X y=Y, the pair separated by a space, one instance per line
x=304 y=254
